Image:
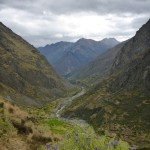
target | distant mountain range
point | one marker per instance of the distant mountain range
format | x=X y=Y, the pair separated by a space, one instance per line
x=120 y=103
x=67 y=57
x=25 y=75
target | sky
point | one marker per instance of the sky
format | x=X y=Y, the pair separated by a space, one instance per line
x=43 y=22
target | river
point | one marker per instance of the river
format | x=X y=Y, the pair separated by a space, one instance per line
x=66 y=102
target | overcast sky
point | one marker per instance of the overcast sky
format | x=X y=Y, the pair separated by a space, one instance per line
x=43 y=22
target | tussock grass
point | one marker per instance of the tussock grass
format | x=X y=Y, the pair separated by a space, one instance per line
x=22 y=130
x=32 y=129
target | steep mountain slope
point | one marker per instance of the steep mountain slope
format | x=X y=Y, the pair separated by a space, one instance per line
x=67 y=57
x=55 y=51
x=24 y=72
x=99 y=68
x=121 y=103
x=132 y=64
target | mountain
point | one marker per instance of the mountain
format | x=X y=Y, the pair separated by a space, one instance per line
x=24 y=72
x=98 y=68
x=55 y=51
x=132 y=63
x=120 y=103
x=66 y=57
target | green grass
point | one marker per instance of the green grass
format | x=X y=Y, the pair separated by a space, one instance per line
x=72 y=92
x=124 y=112
x=61 y=132
x=58 y=126
x=67 y=133
x=84 y=138
x=55 y=122
x=4 y=127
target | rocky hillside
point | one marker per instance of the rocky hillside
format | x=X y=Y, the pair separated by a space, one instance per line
x=24 y=72
x=132 y=64
x=121 y=103
x=67 y=57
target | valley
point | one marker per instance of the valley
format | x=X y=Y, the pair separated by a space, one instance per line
x=76 y=93
x=43 y=131
x=24 y=116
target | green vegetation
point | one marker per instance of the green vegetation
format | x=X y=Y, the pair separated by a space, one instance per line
x=35 y=129
x=118 y=104
x=84 y=138
x=6 y=128
x=124 y=113
x=27 y=73
x=20 y=129
x=73 y=91
x=55 y=122
x=57 y=126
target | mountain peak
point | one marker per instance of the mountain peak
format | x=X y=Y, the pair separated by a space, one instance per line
x=109 y=39
x=82 y=39
x=85 y=39
x=67 y=57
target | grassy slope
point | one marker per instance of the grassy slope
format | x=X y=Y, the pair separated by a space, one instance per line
x=32 y=129
x=25 y=71
x=124 y=113
x=20 y=129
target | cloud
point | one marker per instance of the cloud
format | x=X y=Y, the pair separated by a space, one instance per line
x=43 y=22
x=72 y=6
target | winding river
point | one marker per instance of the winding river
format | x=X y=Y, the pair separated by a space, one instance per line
x=66 y=102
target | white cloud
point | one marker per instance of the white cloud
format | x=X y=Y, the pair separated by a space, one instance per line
x=47 y=21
